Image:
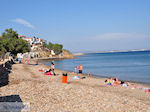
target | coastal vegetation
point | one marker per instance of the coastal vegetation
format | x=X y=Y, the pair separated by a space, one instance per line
x=10 y=42
x=58 y=48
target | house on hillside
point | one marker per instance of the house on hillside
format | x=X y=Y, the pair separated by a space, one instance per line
x=35 y=47
x=38 y=40
x=52 y=52
x=33 y=41
x=21 y=36
x=28 y=39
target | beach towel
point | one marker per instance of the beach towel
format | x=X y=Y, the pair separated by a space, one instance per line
x=48 y=73
x=147 y=90
x=76 y=77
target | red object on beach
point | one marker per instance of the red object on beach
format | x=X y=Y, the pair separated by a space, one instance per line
x=48 y=73
x=40 y=70
x=147 y=90
x=64 y=78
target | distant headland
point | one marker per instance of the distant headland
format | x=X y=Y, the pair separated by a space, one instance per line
x=115 y=51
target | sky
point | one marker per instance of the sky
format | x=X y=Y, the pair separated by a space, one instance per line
x=81 y=25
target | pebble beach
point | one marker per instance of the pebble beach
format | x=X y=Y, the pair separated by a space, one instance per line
x=47 y=93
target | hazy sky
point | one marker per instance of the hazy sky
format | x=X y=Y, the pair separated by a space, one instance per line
x=81 y=25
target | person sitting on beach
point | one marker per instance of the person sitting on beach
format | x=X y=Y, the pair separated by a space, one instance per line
x=50 y=71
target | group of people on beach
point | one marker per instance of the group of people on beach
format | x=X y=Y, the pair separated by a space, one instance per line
x=79 y=68
x=52 y=68
x=27 y=61
x=115 y=81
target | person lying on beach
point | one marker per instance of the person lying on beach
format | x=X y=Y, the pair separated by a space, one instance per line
x=110 y=81
x=115 y=81
x=107 y=82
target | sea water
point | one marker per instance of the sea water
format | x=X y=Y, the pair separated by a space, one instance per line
x=130 y=66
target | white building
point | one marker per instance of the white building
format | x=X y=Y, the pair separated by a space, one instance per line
x=19 y=55
x=29 y=40
x=52 y=52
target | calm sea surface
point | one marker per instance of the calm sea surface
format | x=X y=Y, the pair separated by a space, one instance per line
x=131 y=66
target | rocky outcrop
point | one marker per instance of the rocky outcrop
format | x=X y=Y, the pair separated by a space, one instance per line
x=44 y=54
x=78 y=54
x=66 y=54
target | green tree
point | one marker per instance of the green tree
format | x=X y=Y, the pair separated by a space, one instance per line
x=50 y=46
x=12 y=43
x=2 y=46
x=57 y=48
x=45 y=45
x=9 y=33
x=18 y=46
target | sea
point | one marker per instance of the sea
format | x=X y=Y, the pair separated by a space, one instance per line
x=128 y=66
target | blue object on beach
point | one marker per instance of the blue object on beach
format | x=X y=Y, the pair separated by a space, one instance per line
x=124 y=85
x=76 y=77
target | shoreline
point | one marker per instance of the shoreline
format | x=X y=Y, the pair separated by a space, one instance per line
x=144 y=85
x=105 y=77
x=102 y=77
x=95 y=75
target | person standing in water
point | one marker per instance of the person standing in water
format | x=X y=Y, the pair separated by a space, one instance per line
x=80 y=68
x=75 y=70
